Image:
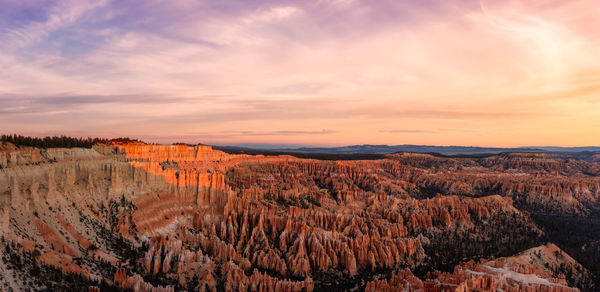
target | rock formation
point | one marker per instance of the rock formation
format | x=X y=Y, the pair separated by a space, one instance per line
x=176 y=217
x=531 y=270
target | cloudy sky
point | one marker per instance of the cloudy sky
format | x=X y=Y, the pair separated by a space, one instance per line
x=315 y=72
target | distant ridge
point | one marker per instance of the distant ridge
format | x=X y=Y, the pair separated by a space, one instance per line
x=567 y=149
x=386 y=149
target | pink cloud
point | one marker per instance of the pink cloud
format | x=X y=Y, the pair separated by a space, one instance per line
x=503 y=73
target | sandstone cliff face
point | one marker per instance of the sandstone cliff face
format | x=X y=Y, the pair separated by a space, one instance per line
x=136 y=283
x=167 y=218
x=537 y=182
x=304 y=218
x=531 y=270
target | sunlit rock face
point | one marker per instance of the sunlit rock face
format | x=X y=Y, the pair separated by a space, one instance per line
x=531 y=270
x=175 y=217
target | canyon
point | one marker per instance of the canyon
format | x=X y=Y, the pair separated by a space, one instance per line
x=141 y=217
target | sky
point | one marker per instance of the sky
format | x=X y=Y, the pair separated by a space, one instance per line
x=314 y=72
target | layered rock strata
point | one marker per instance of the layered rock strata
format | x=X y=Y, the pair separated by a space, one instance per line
x=536 y=269
x=175 y=217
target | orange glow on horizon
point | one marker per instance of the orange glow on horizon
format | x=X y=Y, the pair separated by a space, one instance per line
x=481 y=73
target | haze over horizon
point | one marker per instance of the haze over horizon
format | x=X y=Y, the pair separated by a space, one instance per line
x=286 y=145
x=319 y=73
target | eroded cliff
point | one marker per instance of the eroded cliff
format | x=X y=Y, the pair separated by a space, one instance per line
x=176 y=217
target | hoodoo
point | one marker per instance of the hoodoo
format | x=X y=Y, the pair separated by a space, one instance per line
x=175 y=217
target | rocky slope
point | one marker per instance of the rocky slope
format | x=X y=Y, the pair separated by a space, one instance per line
x=174 y=217
x=537 y=269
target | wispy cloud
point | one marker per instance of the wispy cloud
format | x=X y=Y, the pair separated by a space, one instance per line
x=235 y=134
x=407 y=131
x=297 y=89
x=501 y=71
x=272 y=133
x=273 y=14
x=20 y=104
x=422 y=131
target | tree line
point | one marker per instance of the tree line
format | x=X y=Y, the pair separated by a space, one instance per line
x=61 y=141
